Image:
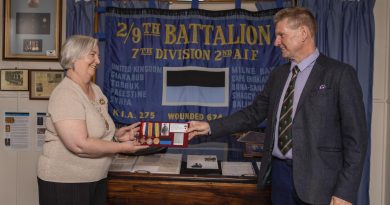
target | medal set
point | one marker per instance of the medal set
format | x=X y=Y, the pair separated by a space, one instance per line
x=163 y=134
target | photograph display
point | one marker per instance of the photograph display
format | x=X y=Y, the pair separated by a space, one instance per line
x=43 y=82
x=13 y=80
x=32 y=29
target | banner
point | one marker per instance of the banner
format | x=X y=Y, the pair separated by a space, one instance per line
x=181 y=65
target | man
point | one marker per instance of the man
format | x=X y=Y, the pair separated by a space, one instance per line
x=316 y=135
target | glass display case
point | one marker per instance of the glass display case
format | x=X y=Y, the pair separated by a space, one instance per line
x=222 y=170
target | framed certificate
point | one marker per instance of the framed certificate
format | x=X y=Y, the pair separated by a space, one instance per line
x=253 y=149
x=13 y=80
x=32 y=29
x=43 y=82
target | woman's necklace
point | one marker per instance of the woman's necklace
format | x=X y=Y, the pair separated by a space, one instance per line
x=98 y=105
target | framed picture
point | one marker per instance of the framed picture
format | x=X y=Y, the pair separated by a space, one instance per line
x=13 y=80
x=253 y=150
x=32 y=29
x=43 y=82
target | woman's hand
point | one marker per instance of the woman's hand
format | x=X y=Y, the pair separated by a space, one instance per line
x=127 y=133
x=132 y=146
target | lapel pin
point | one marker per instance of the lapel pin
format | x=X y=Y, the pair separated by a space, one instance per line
x=323 y=86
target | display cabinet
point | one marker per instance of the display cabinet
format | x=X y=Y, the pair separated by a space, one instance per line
x=202 y=173
x=141 y=188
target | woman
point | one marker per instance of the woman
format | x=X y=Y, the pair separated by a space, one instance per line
x=79 y=142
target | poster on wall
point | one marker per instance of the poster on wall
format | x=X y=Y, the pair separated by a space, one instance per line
x=16 y=130
x=40 y=130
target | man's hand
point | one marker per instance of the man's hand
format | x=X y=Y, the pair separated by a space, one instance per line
x=338 y=201
x=197 y=128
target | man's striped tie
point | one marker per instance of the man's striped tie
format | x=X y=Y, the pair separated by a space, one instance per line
x=285 y=120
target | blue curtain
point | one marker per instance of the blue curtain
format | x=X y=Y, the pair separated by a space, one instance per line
x=79 y=17
x=346 y=33
x=264 y=5
x=135 y=4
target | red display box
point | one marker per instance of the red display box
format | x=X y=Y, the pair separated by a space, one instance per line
x=163 y=134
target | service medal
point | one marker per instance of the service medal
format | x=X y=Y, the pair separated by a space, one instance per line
x=156 y=141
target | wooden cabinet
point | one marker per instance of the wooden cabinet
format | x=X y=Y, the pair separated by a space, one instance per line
x=137 y=188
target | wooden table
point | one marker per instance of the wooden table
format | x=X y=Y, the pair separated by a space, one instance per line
x=139 y=188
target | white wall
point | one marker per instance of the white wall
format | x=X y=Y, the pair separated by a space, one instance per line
x=18 y=184
x=380 y=143
x=18 y=168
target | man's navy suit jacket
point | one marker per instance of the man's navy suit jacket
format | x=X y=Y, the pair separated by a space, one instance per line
x=329 y=130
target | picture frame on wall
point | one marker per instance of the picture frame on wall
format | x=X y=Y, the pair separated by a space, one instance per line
x=32 y=29
x=43 y=82
x=13 y=80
